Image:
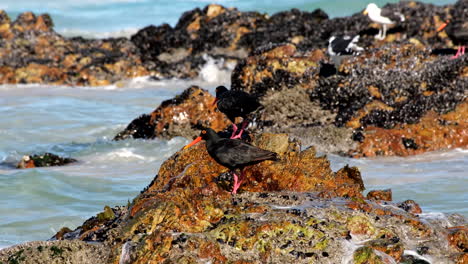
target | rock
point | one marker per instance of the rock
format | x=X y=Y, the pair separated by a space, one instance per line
x=226 y=34
x=61 y=233
x=410 y=206
x=32 y=52
x=392 y=247
x=291 y=210
x=381 y=195
x=357 y=113
x=178 y=117
x=55 y=252
x=44 y=160
x=458 y=238
x=366 y=255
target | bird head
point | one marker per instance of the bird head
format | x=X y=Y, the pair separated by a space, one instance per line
x=219 y=91
x=204 y=135
x=371 y=8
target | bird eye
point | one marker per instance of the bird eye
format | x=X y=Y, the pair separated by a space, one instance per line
x=203 y=132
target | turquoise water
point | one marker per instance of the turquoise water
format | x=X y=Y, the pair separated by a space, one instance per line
x=79 y=122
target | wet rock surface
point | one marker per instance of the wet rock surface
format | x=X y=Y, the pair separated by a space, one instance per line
x=395 y=100
x=294 y=209
x=44 y=160
x=400 y=96
x=32 y=52
x=179 y=116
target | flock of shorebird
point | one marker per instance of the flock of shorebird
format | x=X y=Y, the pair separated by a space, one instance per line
x=234 y=153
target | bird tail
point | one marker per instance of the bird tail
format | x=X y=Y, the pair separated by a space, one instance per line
x=268 y=155
x=273 y=156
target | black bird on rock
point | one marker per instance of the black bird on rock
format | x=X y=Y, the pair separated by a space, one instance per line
x=234 y=104
x=233 y=154
x=457 y=31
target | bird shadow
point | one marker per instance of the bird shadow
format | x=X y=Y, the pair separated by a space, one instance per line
x=443 y=51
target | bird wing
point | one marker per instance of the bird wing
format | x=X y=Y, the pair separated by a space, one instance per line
x=234 y=153
x=392 y=15
x=237 y=103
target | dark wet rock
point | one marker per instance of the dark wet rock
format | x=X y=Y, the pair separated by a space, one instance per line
x=409 y=143
x=410 y=206
x=62 y=232
x=44 y=160
x=380 y=195
x=31 y=52
x=396 y=98
x=140 y=127
x=180 y=116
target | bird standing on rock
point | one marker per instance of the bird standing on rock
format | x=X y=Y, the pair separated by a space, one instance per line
x=234 y=104
x=382 y=17
x=457 y=31
x=341 y=46
x=232 y=153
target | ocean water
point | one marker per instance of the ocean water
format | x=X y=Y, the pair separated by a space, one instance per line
x=79 y=122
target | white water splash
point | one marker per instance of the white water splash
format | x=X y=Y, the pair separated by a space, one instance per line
x=215 y=71
x=416 y=255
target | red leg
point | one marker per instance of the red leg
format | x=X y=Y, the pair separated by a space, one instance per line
x=237 y=182
x=245 y=123
x=460 y=51
x=234 y=130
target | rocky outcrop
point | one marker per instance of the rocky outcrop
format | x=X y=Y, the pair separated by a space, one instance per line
x=295 y=209
x=394 y=100
x=179 y=116
x=32 y=52
x=44 y=160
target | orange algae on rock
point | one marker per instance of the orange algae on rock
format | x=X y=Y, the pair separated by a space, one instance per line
x=433 y=132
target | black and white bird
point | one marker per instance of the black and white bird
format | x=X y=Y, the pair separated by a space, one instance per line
x=383 y=17
x=342 y=46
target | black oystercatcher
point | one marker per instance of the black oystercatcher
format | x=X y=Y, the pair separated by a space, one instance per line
x=234 y=104
x=383 y=17
x=232 y=153
x=341 y=46
x=458 y=33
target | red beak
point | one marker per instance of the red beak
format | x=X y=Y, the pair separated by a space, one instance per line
x=442 y=27
x=195 y=141
x=215 y=101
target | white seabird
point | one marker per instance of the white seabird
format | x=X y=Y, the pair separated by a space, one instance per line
x=382 y=17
